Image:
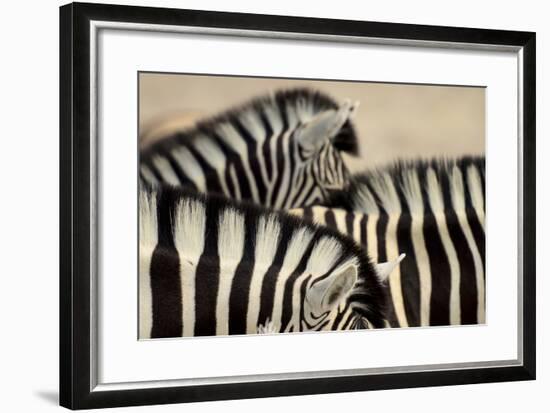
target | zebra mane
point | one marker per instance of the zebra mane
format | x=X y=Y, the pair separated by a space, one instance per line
x=299 y=103
x=412 y=185
x=178 y=196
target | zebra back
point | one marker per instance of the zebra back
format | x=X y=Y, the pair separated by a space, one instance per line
x=434 y=212
x=282 y=151
x=210 y=266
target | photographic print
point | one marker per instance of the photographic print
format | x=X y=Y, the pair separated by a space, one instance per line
x=289 y=186
x=291 y=205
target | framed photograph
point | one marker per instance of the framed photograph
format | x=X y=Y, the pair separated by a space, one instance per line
x=258 y=205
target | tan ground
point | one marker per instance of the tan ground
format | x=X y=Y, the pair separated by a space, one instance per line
x=393 y=120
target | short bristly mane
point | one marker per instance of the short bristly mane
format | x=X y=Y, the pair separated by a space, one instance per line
x=300 y=103
x=441 y=183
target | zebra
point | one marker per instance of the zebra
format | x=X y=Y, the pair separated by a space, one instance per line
x=434 y=212
x=282 y=151
x=213 y=266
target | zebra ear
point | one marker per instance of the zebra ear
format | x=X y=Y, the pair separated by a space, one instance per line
x=325 y=126
x=384 y=269
x=325 y=294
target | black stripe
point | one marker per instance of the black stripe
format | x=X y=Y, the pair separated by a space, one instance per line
x=340 y=316
x=286 y=316
x=149 y=163
x=299 y=187
x=240 y=287
x=280 y=158
x=322 y=325
x=292 y=149
x=252 y=146
x=349 y=223
x=213 y=184
x=207 y=275
x=473 y=220
x=318 y=319
x=229 y=181
x=478 y=234
x=314 y=186
x=468 y=285
x=165 y=277
x=142 y=178
x=233 y=158
x=240 y=172
x=350 y=319
x=267 y=294
x=363 y=228
x=182 y=177
x=266 y=149
x=440 y=268
x=308 y=214
x=410 y=278
x=481 y=172
x=330 y=220
x=381 y=228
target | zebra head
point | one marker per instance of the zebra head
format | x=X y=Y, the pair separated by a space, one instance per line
x=319 y=141
x=282 y=150
x=351 y=297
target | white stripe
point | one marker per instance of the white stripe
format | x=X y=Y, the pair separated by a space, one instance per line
x=363 y=200
x=236 y=142
x=459 y=205
x=315 y=197
x=213 y=156
x=190 y=166
x=476 y=193
x=296 y=248
x=235 y=180
x=291 y=115
x=318 y=214
x=386 y=191
x=147 y=174
x=436 y=201
x=423 y=266
x=253 y=125
x=231 y=232
x=392 y=253
x=267 y=240
x=340 y=218
x=413 y=194
x=283 y=188
x=165 y=169
x=189 y=227
x=147 y=242
x=372 y=239
x=302 y=201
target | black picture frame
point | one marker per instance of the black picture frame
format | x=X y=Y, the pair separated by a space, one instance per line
x=75 y=222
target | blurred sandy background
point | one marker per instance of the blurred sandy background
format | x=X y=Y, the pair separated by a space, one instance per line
x=393 y=120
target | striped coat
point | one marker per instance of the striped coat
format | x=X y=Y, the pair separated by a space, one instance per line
x=210 y=266
x=281 y=151
x=434 y=212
